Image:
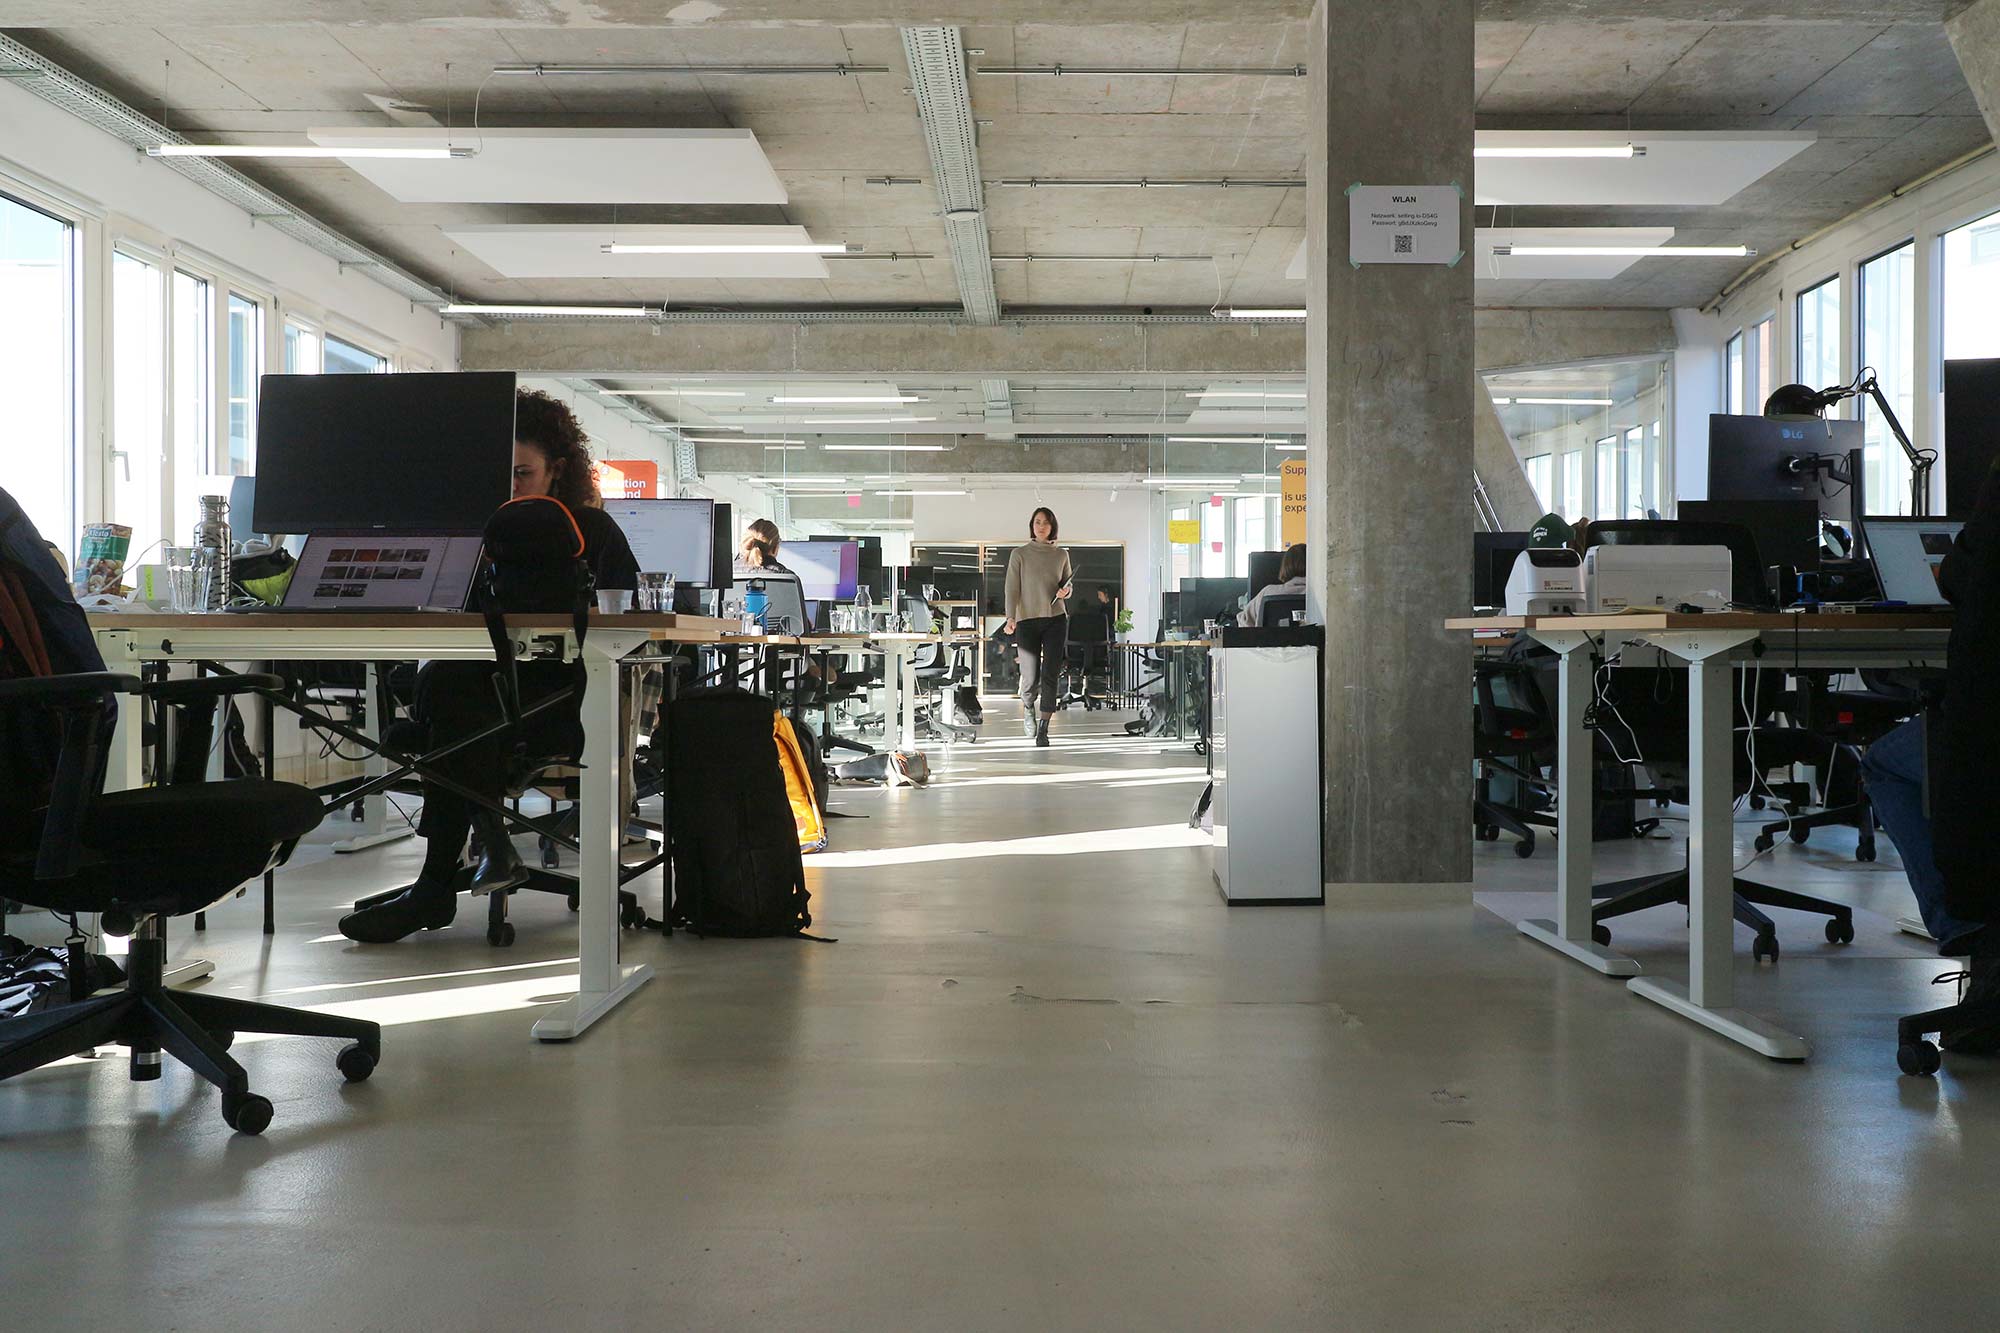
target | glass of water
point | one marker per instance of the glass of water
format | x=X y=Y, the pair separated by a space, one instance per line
x=656 y=592
x=182 y=594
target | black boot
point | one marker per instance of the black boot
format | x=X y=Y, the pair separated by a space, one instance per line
x=1042 y=732
x=500 y=867
x=425 y=905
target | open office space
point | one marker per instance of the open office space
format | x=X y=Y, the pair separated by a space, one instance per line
x=999 y=664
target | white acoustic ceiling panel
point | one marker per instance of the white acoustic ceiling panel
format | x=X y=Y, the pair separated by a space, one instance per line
x=565 y=166
x=1678 y=168
x=1535 y=268
x=573 y=251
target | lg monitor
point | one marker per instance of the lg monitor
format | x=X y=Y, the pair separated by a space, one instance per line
x=829 y=571
x=1771 y=458
x=672 y=537
x=1971 y=430
x=389 y=452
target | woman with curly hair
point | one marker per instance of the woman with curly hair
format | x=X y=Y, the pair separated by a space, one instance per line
x=551 y=457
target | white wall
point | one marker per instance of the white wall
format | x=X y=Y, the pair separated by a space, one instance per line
x=1000 y=514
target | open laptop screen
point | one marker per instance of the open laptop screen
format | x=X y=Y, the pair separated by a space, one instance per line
x=379 y=571
x=1908 y=553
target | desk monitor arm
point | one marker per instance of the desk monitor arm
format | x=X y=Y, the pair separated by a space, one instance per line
x=1921 y=460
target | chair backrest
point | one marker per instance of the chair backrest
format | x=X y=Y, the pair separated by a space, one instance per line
x=1089 y=627
x=1746 y=573
x=922 y=621
x=1280 y=610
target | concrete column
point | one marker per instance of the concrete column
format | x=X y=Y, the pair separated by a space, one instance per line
x=1389 y=378
x=1975 y=39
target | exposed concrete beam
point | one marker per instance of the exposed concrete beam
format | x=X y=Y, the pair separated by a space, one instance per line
x=1505 y=339
x=1975 y=40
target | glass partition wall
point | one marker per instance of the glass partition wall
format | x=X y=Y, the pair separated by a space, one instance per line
x=1591 y=437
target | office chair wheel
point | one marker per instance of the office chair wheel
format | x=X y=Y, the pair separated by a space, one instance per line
x=1525 y=848
x=1763 y=842
x=222 y=1037
x=1866 y=850
x=1486 y=833
x=500 y=934
x=247 y=1114
x=1600 y=935
x=1764 y=948
x=1800 y=834
x=357 y=812
x=355 y=1063
x=631 y=916
x=1918 y=1059
x=549 y=856
x=1756 y=803
x=575 y=903
x=1840 y=930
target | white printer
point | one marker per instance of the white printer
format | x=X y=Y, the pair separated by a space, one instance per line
x=1617 y=576
x=1546 y=581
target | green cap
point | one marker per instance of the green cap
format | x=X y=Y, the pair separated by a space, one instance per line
x=1550 y=530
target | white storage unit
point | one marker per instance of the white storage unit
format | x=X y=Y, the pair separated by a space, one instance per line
x=1264 y=744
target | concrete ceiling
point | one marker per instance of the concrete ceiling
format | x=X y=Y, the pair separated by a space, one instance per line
x=1877 y=83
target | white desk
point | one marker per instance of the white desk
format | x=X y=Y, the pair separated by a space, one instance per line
x=127 y=640
x=1709 y=648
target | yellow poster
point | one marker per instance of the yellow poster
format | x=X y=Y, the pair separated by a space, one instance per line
x=1292 y=526
x=1184 y=531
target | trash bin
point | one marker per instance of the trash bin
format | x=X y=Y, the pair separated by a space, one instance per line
x=1265 y=744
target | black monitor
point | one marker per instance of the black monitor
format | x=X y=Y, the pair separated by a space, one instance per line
x=1264 y=569
x=1772 y=458
x=1493 y=564
x=1170 y=611
x=672 y=537
x=1971 y=430
x=722 y=556
x=1786 y=531
x=393 y=452
x=871 y=575
x=828 y=568
x=1208 y=599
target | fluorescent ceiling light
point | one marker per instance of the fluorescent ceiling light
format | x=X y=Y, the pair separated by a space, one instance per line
x=1243 y=393
x=1622 y=251
x=863 y=421
x=1223 y=439
x=1143 y=72
x=1146 y=183
x=619 y=311
x=877 y=448
x=674 y=393
x=730 y=248
x=1561 y=150
x=704 y=71
x=297 y=150
x=851 y=398
x=741 y=439
x=922 y=492
x=1100 y=259
x=1564 y=402
x=1190 y=481
x=1260 y=476
x=1255 y=312
x=1290 y=448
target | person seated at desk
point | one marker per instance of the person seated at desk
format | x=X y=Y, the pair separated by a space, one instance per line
x=551 y=457
x=1948 y=853
x=1291 y=583
x=758 y=551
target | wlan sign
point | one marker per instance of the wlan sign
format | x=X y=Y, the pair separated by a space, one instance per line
x=1403 y=224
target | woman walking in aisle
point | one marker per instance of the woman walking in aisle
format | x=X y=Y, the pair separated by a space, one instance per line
x=1038 y=585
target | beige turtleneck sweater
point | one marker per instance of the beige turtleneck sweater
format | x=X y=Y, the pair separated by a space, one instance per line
x=1034 y=572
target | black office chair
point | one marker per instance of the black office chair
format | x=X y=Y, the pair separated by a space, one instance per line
x=1514 y=742
x=1848 y=721
x=136 y=858
x=1086 y=656
x=1281 y=610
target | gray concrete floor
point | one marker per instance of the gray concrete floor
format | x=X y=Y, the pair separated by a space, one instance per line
x=1046 y=1079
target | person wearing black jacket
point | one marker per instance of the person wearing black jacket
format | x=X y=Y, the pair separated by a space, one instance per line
x=551 y=457
x=1948 y=853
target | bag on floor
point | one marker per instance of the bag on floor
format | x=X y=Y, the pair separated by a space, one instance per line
x=965 y=701
x=894 y=767
x=1152 y=720
x=797 y=756
x=734 y=840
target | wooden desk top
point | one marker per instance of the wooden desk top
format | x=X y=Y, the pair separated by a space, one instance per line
x=1655 y=622
x=366 y=620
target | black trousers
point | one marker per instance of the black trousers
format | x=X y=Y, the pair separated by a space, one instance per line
x=1039 y=647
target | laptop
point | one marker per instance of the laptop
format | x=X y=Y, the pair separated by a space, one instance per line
x=1908 y=554
x=384 y=571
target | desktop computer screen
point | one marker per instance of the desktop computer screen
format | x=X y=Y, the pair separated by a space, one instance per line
x=1762 y=458
x=414 y=452
x=672 y=537
x=828 y=570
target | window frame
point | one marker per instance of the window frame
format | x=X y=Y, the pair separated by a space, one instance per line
x=84 y=357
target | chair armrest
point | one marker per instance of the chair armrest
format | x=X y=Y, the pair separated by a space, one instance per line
x=205 y=688
x=79 y=685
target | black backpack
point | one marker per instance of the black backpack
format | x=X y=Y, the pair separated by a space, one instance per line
x=534 y=561
x=737 y=866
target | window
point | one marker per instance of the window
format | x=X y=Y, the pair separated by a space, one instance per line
x=1183 y=554
x=1732 y=376
x=1888 y=343
x=1539 y=474
x=1819 y=335
x=344 y=358
x=1971 y=286
x=246 y=366
x=1607 y=477
x=138 y=399
x=301 y=350
x=193 y=400
x=1765 y=339
x=38 y=366
x=1251 y=520
x=1633 y=500
x=1572 y=485
x=1214 y=533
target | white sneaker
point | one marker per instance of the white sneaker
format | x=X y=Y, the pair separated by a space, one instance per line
x=1028 y=725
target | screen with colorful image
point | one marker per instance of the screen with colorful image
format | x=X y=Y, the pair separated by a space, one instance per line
x=357 y=572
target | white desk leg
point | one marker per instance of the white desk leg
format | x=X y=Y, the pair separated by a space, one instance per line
x=906 y=663
x=1708 y=997
x=892 y=696
x=601 y=982
x=1569 y=933
x=375 y=829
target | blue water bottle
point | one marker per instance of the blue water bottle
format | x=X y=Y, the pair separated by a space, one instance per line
x=755 y=603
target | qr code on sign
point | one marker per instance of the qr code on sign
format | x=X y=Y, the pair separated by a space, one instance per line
x=1406 y=244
